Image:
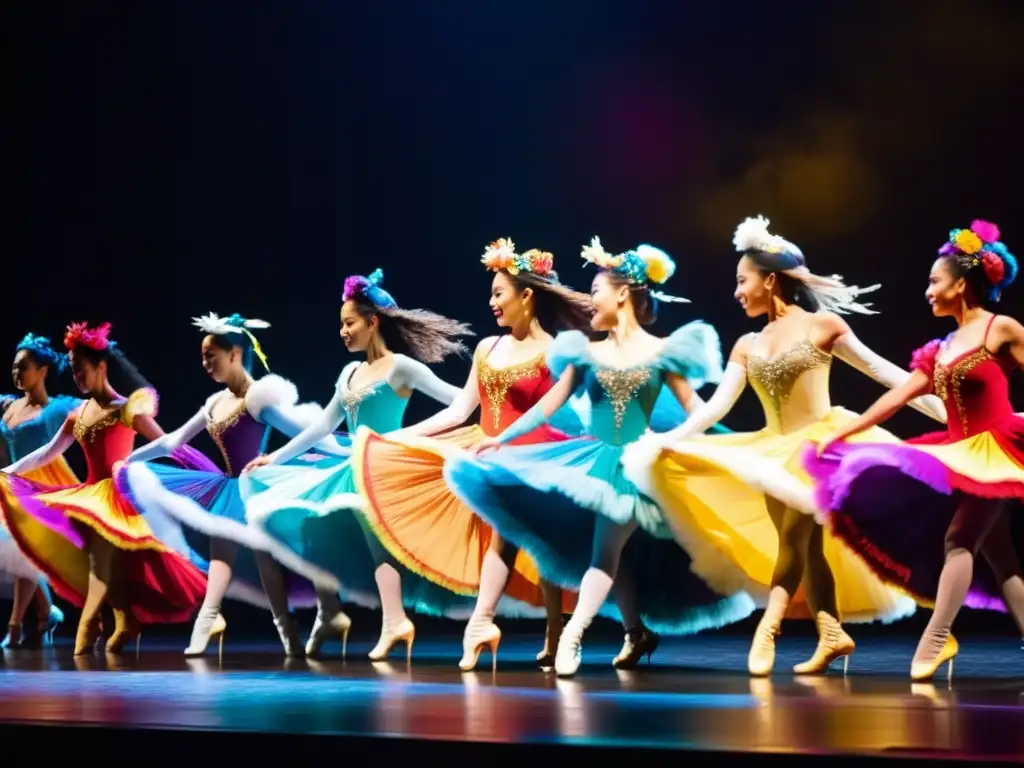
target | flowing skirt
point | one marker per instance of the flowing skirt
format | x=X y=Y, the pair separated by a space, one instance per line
x=551 y=498
x=893 y=504
x=52 y=527
x=417 y=517
x=312 y=516
x=714 y=489
x=187 y=508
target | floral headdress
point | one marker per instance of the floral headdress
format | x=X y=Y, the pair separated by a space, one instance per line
x=222 y=326
x=830 y=291
x=370 y=288
x=980 y=245
x=501 y=255
x=81 y=335
x=640 y=266
x=41 y=346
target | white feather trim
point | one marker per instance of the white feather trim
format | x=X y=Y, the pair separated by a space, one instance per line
x=305 y=414
x=271 y=390
x=753 y=235
x=215 y=324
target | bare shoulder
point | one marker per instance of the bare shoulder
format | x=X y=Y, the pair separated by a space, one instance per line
x=1007 y=329
x=830 y=324
x=741 y=348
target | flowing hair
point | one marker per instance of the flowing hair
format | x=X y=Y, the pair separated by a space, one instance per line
x=423 y=335
x=557 y=306
x=95 y=345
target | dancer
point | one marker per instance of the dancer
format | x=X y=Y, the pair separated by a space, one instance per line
x=901 y=506
x=739 y=503
x=311 y=513
x=86 y=538
x=567 y=504
x=507 y=377
x=30 y=421
x=239 y=418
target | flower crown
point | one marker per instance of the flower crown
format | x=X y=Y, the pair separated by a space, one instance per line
x=221 y=326
x=642 y=265
x=980 y=245
x=81 y=335
x=370 y=288
x=501 y=255
x=41 y=346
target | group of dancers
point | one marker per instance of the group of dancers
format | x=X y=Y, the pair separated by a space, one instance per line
x=596 y=481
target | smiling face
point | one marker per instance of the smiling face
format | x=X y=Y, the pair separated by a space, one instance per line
x=509 y=304
x=356 y=330
x=218 y=361
x=89 y=377
x=27 y=374
x=946 y=289
x=607 y=297
x=753 y=290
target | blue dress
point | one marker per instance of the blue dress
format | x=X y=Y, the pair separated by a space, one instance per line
x=16 y=443
x=547 y=498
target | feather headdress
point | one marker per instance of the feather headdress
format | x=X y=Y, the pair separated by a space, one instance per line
x=212 y=323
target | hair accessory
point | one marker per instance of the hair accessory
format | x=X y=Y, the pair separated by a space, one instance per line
x=640 y=266
x=81 y=335
x=980 y=245
x=221 y=326
x=830 y=291
x=41 y=346
x=501 y=255
x=370 y=288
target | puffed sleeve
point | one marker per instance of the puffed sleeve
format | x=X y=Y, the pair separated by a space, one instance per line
x=141 y=402
x=270 y=391
x=923 y=359
x=695 y=353
x=567 y=348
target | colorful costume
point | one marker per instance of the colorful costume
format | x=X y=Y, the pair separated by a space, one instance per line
x=49 y=524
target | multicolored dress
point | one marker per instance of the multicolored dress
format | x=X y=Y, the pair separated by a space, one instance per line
x=51 y=525
x=713 y=489
x=548 y=498
x=207 y=502
x=415 y=514
x=19 y=441
x=893 y=503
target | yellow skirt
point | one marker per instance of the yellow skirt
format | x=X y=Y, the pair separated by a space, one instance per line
x=712 y=490
x=424 y=526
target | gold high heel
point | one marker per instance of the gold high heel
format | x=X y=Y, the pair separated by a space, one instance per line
x=833 y=643
x=218 y=629
x=472 y=646
x=89 y=634
x=126 y=628
x=339 y=624
x=406 y=631
x=761 y=658
x=925 y=670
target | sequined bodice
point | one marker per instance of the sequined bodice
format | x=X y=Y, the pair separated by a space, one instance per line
x=975 y=388
x=622 y=400
x=791 y=385
x=21 y=439
x=508 y=393
x=375 y=405
x=104 y=443
x=239 y=436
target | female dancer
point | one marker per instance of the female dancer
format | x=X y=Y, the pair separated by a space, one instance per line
x=507 y=377
x=566 y=503
x=239 y=419
x=739 y=503
x=311 y=512
x=895 y=504
x=30 y=421
x=86 y=538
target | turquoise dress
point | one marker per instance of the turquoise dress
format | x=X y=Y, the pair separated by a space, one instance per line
x=311 y=513
x=21 y=441
x=548 y=498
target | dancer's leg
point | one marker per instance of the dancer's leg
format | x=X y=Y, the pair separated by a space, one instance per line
x=274 y=585
x=998 y=551
x=395 y=624
x=820 y=592
x=209 y=621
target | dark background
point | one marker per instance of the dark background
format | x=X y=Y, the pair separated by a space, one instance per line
x=161 y=160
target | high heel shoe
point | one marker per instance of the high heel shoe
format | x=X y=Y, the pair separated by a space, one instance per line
x=479 y=635
x=552 y=634
x=570 y=649
x=47 y=628
x=925 y=670
x=126 y=629
x=13 y=638
x=833 y=643
x=406 y=631
x=209 y=624
x=761 y=658
x=89 y=634
x=289 y=635
x=323 y=628
x=638 y=643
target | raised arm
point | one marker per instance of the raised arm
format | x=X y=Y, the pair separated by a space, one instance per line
x=43 y=455
x=407 y=373
x=165 y=445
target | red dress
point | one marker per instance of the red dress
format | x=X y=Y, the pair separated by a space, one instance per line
x=414 y=513
x=51 y=526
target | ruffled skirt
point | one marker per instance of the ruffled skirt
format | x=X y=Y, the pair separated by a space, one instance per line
x=892 y=504
x=51 y=527
x=713 y=491
x=420 y=521
x=186 y=508
x=550 y=499
x=312 y=515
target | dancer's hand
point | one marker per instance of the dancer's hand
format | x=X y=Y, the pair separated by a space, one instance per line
x=828 y=442
x=488 y=444
x=259 y=461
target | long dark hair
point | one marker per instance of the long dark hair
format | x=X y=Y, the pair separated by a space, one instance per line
x=420 y=334
x=557 y=306
x=95 y=345
x=791 y=290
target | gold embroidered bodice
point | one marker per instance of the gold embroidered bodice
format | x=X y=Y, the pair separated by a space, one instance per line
x=792 y=385
x=496 y=383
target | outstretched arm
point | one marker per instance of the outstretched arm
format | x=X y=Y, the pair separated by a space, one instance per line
x=285 y=421
x=855 y=353
x=43 y=455
x=542 y=410
x=461 y=408
x=331 y=419
x=884 y=407
x=407 y=373
x=165 y=445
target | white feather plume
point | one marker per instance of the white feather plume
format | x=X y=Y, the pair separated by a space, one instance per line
x=215 y=324
x=753 y=235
